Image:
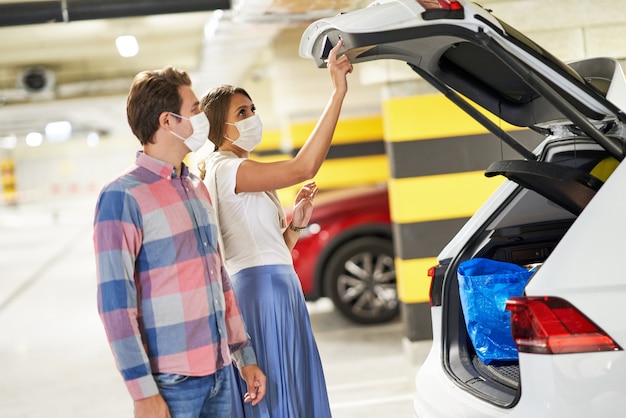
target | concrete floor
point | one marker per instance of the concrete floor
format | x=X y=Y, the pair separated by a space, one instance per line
x=55 y=359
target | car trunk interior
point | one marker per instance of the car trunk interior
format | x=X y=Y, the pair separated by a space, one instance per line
x=524 y=231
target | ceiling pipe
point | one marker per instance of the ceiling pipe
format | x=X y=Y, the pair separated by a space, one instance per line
x=37 y=12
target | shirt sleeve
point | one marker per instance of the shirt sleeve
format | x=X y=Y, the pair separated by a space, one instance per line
x=117 y=241
x=238 y=339
x=227 y=173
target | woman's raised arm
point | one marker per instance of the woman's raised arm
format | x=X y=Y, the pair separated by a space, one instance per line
x=254 y=176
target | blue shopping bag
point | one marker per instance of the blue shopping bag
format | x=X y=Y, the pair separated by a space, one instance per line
x=484 y=287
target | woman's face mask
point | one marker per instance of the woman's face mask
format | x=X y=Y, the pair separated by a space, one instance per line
x=198 y=137
x=250 y=133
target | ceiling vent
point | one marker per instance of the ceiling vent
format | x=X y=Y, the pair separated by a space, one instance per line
x=36 y=80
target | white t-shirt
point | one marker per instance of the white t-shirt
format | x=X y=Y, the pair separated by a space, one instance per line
x=249 y=222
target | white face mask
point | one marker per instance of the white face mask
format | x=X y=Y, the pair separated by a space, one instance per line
x=250 y=133
x=198 y=137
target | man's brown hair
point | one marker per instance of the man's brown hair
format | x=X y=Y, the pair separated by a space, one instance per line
x=152 y=93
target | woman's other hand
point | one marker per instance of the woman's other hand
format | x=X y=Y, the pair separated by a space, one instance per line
x=303 y=204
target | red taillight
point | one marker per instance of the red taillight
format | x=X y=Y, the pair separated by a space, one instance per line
x=551 y=325
x=440 y=4
x=431 y=274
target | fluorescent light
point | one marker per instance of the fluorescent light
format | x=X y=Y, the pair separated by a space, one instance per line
x=34 y=139
x=127 y=45
x=93 y=139
x=8 y=142
x=58 y=131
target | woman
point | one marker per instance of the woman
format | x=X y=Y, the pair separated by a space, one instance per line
x=256 y=244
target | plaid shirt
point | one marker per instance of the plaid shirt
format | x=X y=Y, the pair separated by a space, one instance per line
x=163 y=294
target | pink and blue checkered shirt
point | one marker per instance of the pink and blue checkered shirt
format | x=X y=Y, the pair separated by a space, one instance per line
x=164 y=296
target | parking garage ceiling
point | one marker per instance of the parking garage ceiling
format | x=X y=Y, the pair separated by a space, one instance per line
x=57 y=55
x=66 y=49
x=73 y=41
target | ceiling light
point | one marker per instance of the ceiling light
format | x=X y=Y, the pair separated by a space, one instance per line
x=93 y=139
x=8 y=142
x=127 y=45
x=34 y=139
x=58 y=131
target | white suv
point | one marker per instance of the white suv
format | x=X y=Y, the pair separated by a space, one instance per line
x=562 y=210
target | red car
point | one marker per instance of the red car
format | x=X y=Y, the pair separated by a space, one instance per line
x=346 y=254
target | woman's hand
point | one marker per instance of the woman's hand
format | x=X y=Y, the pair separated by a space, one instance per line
x=303 y=205
x=339 y=68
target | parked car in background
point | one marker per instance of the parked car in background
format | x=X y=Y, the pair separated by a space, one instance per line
x=346 y=254
x=560 y=213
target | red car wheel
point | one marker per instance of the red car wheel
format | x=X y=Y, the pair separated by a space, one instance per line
x=360 y=278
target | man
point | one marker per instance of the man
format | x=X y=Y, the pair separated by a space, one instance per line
x=164 y=297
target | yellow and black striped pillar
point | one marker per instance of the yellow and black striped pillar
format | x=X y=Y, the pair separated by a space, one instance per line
x=356 y=156
x=7 y=173
x=437 y=157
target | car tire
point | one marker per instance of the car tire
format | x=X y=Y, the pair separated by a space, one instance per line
x=360 y=279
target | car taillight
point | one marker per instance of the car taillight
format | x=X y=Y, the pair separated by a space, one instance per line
x=441 y=9
x=551 y=325
x=436 y=274
x=440 y=4
x=431 y=274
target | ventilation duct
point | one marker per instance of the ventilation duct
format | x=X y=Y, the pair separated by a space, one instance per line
x=36 y=80
x=36 y=12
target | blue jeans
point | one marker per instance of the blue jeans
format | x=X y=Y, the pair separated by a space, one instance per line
x=196 y=397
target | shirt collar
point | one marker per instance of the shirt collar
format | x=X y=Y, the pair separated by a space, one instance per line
x=158 y=167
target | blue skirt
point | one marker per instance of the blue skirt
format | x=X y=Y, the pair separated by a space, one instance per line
x=277 y=320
